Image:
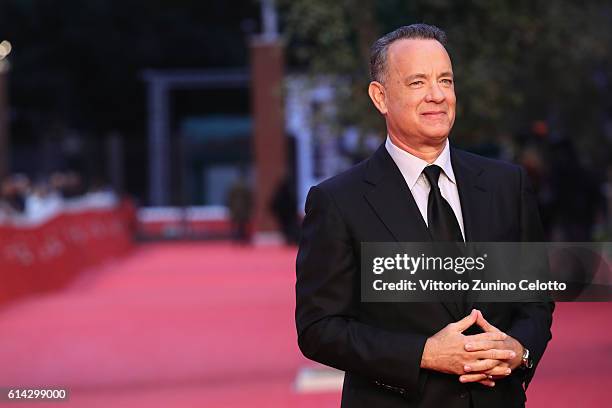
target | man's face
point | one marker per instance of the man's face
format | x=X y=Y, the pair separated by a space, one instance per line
x=419 y=95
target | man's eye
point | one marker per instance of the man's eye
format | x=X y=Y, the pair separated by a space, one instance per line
x=447 y=81
x=416 y=83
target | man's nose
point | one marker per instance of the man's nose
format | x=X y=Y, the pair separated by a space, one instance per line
x=435 y=94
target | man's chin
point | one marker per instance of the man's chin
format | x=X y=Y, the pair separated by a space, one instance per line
x=437 y=134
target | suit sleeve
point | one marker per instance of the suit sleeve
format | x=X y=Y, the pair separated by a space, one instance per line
x=531 y=321
x=327 y=295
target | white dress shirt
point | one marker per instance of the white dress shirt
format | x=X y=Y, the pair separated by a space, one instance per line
x=412 y=167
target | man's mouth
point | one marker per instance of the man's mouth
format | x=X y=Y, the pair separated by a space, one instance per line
x=433 y=113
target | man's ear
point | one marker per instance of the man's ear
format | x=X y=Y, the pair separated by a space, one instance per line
x=376 y=90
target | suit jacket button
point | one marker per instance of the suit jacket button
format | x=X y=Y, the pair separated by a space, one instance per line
x=463 y=395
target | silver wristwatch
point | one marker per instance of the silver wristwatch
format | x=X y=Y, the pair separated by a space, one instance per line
x=526 y=361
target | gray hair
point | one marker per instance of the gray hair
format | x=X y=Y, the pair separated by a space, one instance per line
x=378 y=52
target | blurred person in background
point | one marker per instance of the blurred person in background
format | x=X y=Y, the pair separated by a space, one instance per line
x=42 y=201
x=240 y=204
x=14 y=191
x=578 y=196
x=571 y=196
x=68 y=184
x=284 y=207
x=100 y=192
x=19 y=198
x=607 y=222
x=7 y=207
x=73 y=185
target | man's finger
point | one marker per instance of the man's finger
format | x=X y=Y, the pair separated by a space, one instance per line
x=466 y=322
x=499 y=371
x=487 y=383
x=483 y=345
x=498 y=335
x=482 y=322
x=480 y=365
x=494 y=354
x=467 y=378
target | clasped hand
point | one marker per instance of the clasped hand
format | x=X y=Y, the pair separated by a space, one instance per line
x=483 y=358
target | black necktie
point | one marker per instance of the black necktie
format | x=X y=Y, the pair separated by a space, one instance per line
x=443 y=226
x=441 y=219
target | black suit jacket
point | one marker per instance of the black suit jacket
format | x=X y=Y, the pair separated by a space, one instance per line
x=379 y=345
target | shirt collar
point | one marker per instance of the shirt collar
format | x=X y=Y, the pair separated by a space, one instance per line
x=411 y=166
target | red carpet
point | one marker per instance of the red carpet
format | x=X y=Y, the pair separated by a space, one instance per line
x=211 y=325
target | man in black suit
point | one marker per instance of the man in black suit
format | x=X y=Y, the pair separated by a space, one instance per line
x=417 y=188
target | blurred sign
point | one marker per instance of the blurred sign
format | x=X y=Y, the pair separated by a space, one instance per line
x=47 y=256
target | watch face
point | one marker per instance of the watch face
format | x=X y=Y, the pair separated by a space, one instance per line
x=527 y=362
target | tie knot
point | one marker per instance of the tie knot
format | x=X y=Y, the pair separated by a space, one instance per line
x=433 y=174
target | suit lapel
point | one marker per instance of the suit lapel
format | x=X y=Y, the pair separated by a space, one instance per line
x=475 y=201
x=393 y=203
x=473 y=195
